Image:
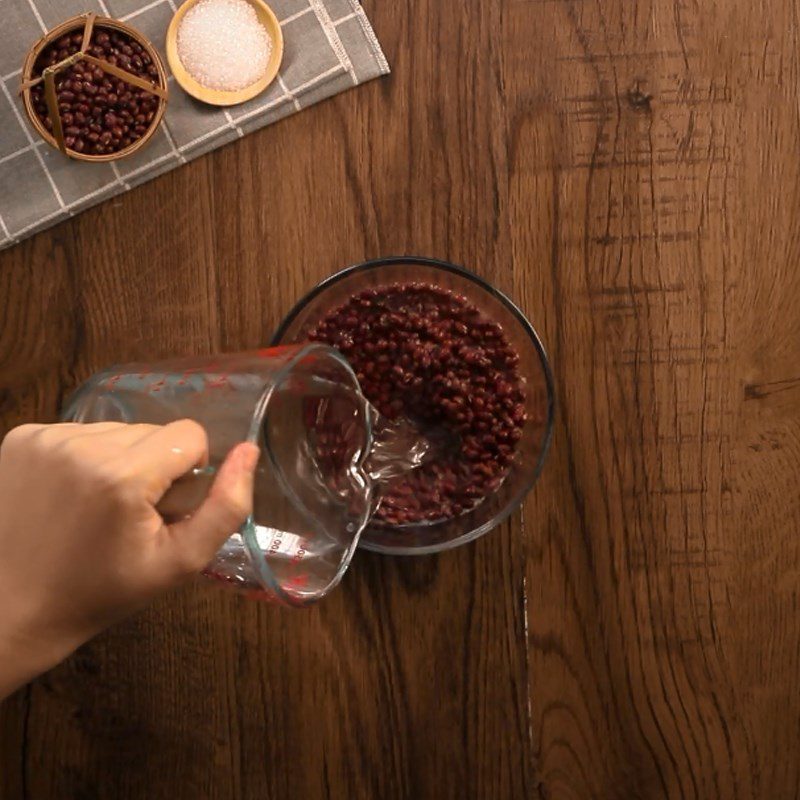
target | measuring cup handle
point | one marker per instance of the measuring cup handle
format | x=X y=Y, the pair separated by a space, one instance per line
x=186 y=494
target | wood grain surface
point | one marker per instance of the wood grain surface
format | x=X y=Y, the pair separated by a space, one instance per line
x=629 y=172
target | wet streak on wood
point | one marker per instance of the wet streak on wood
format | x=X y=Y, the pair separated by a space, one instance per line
x=629 y=173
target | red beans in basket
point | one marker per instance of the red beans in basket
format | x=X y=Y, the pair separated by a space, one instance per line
x=99 y=113
x=429 y=355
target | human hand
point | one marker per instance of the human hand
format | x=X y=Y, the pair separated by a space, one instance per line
x=81 y=544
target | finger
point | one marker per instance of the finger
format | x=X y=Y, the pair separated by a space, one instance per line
x=227 y=506
x=86 y=428
x=42 y=434
x=22 y=433
x=119 y=434
x=164 y=454
x=57 y=433
x=101 y=442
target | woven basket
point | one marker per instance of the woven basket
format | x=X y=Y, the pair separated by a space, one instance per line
x=73 y=25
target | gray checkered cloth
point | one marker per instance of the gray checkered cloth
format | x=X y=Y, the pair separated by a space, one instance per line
x=329 y=46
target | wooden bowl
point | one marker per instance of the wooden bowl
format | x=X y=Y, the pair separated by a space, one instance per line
x=218 y=97
x=76 y=24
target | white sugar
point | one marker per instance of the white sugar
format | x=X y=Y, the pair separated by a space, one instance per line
x=223 y=45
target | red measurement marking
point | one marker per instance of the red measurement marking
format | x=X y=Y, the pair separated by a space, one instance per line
x=301 y=551
x=111 y=382
x=156 y=387
x=298 y=581
x=218 y=382
x=268 y=352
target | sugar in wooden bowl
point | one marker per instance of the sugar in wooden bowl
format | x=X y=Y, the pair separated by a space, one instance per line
x=224 y=51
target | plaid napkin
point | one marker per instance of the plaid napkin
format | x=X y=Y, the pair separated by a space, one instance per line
x=329 y=46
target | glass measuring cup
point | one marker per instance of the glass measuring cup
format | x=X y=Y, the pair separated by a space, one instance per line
x=313 y=492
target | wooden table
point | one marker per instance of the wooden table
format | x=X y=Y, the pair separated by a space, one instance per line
x=629 y=173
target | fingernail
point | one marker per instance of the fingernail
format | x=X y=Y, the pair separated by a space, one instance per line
x=248 y=456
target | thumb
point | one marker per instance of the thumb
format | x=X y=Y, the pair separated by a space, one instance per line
x=228 y=504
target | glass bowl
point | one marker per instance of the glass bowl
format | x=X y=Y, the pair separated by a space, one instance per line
x=431 y=537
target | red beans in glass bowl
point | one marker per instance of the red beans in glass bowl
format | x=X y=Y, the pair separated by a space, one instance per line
x=103 y=117
x=436 y=344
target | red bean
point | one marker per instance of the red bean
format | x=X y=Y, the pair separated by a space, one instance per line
x=88 y=97
x=417 y=357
